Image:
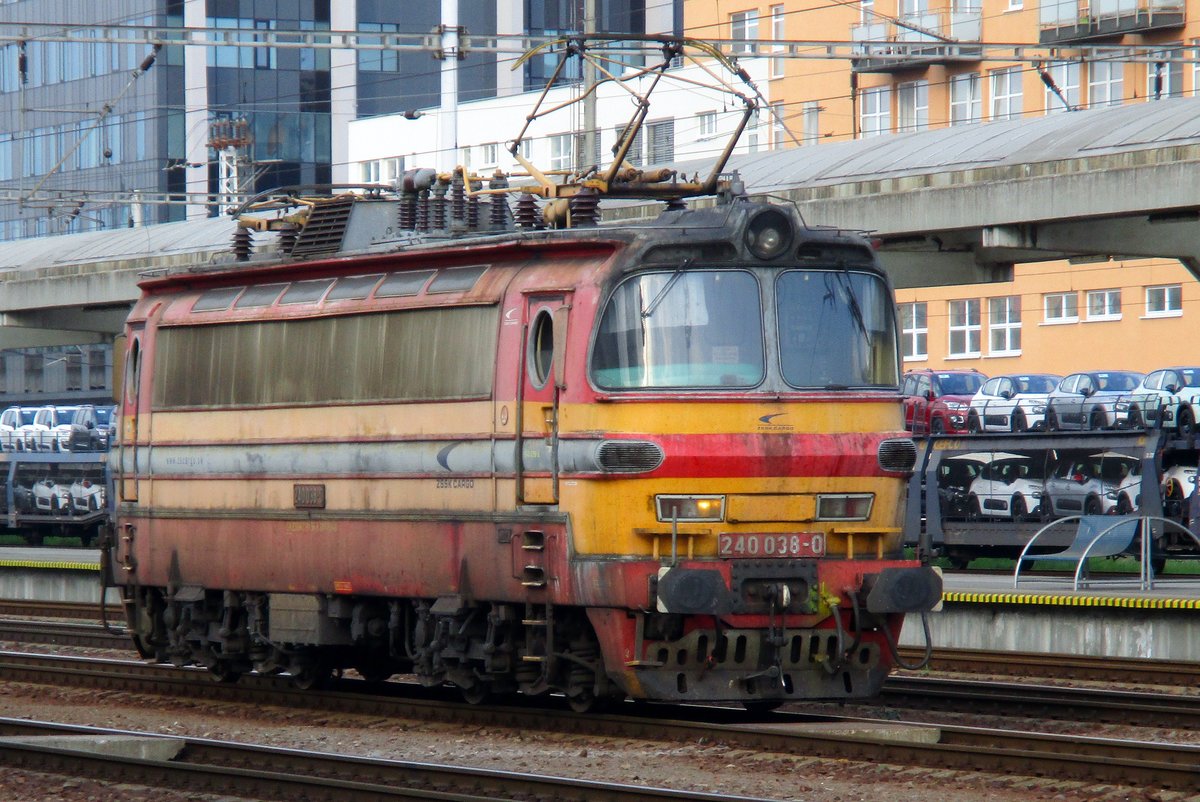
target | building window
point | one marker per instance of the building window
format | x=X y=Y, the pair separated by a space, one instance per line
x=562 y=151
x=490 y=155
x=912 y=102
x=1104 y=305
x=385 y=60
x=876 y=114
x=1196 y=67
x=777 y=33
x=743 y=29
x=1006 y=93
x=1165 y=301
x=1004 y=325
x=914 y=330
x=1164 y=78
x=661 y=136
x=1061 y=307
x=810 y=124
x=1066 y=78
x=966 y=106
x=866 y=13
x=965 y=329
x=1105 y=83
x=779 y=130
x=706 y=123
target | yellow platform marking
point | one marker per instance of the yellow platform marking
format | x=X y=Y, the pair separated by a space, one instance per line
x=64 y=565
x=1064 y=600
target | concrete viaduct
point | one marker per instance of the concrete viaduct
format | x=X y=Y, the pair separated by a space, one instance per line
x=950 y=206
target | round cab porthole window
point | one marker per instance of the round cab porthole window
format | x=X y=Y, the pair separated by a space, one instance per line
x=541 y=348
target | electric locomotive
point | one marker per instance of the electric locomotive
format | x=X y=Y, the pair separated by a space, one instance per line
x=659 y=460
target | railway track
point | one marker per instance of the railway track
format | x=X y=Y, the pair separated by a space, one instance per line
x=202 y=765
x=902 y=691
x=1091 y=760
x=1061 y=666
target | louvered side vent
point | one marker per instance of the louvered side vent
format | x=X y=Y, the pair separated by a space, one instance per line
x=898 y=455
x=628 y=456
x=324 y=229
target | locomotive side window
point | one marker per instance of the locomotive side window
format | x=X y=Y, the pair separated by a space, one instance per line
x=305 y=292
x=686 y=329
x=413 y=355
x=259 y=296
x=400 y=284
x=541 y=348
x=216 y=300
x=456 y=279
x=837 y=329
x=353 y=288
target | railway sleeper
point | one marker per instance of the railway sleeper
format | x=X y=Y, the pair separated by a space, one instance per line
x=482 y=648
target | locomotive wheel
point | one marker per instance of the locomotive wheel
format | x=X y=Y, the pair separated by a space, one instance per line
x=375 y=670
x=585 y=702
x=223 y=671
x=477 y=694
x=144 y=651
x=759 y=706
x=1019 y=424
x=310 y=675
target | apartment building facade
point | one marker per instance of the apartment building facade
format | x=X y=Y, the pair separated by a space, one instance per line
x=912 y=65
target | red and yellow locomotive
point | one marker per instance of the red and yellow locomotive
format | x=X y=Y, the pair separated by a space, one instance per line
x=662 y=461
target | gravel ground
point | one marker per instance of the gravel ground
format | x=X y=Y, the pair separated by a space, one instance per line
x=709 y=767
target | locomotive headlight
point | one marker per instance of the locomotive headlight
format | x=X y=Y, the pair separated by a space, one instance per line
x=844 y=506
x=769 y=234
x=690 y=508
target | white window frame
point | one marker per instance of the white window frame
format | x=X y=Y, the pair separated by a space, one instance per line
x=1109 y=300
x=914 y=331
x=706 y=124
x=1172 y=75
x=965 y=328
x=966 y=103
x=1066 y=78
x=1106 y=83
x=810 y=122
x=743 y=25
x=1196 y=66
x=778 y=20
x=1006 y=93
x=1057 y=309
x=489 y=154
x=912 y=106
x=1004 y=325
x=1164 y=300
x=866 y=11
x=779 y=131
x=875 y=111
x=562 y=151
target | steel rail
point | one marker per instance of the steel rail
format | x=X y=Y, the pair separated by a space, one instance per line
x=1064 y=757
x=1063 y=666
x=207 y=765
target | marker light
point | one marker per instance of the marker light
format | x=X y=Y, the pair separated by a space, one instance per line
x=769 y=234
x=690 y=508
x=845 y=507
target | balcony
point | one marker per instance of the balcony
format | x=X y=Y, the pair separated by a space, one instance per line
x=1063 y=21
x=918 y=40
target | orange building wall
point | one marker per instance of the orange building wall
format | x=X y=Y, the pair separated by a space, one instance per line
x=1134 y=342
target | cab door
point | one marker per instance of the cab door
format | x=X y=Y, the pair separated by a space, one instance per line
x=541 y=383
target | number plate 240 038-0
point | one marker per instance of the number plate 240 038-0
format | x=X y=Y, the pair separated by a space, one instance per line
x=794 y=544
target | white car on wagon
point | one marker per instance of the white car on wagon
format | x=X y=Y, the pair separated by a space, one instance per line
x=1173 y=392
x=1012 y=403
x=1008 y=486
